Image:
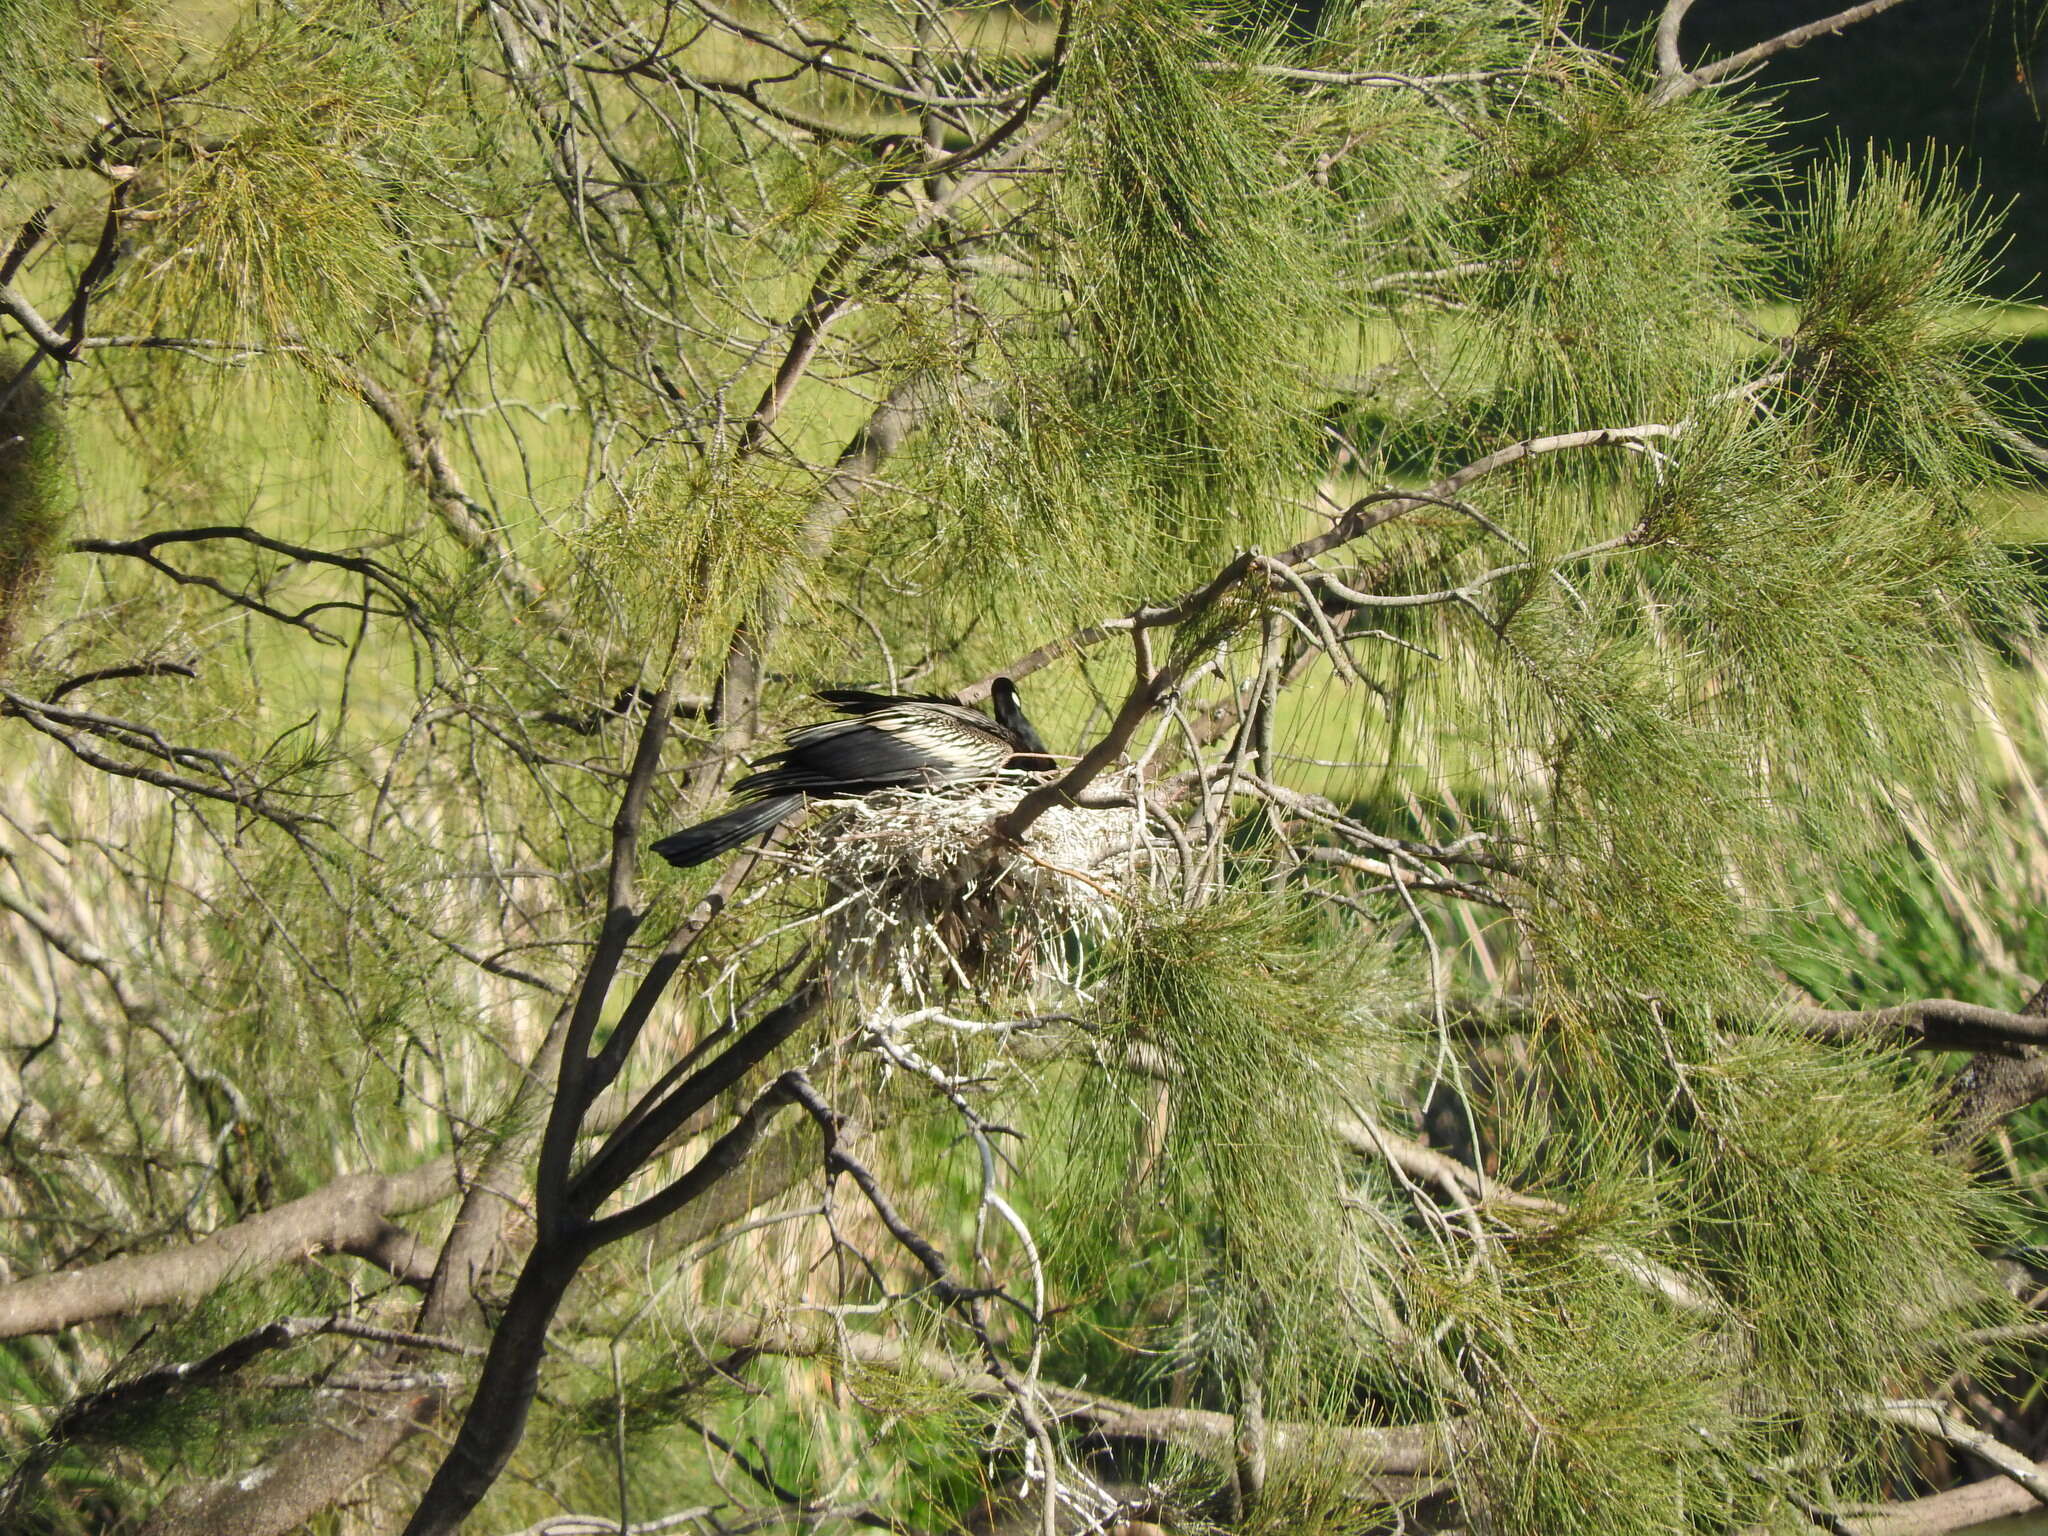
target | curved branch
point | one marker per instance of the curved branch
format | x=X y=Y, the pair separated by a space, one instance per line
x=1679 y=82
x=1357 y=520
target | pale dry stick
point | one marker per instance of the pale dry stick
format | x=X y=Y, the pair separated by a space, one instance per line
x=1362 y=1134
x=1939 y=1420
x=1468 y=849
x=1381 y=1145
x=599 y=1525
x=908 y=1059
x=1678 y=82
x=1446 y=1055
x=968 y=1303
x=1331 y=646
x=1393 y=875
x=1215 y=815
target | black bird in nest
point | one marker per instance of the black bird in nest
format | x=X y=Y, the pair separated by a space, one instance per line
x=889 y=741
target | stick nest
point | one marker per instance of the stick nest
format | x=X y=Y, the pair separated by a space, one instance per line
x=924 y=901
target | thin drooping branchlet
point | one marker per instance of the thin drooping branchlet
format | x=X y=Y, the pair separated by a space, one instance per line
x=1894 y=355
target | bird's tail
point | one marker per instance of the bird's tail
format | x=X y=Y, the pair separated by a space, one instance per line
x=721 y=834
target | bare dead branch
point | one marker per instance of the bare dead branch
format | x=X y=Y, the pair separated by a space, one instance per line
x=1678 y=82
x=374 y=571
x=40 y=331
x=110 y=674
x=1942 y=1422
x=232 y=786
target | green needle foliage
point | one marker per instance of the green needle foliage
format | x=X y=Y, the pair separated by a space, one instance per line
x=1893 y=352
x=1608 y=227
x=1776 y=1160
x=1594 y=1407
x=1229 y=1165
x=1181 y=194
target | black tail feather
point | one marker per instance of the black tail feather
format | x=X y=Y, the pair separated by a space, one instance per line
x=721 y=834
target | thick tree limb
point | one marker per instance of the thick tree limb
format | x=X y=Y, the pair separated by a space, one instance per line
x=86 y=1416
x=318 y=1468
x=351 y=1215
x=1958 y=1509
x=1938 y=1420
x=1933 y=1023
x=40 y=331
x=575 y=1065
x=314 y=1470
x=1670 y=63
x=1937 y=1023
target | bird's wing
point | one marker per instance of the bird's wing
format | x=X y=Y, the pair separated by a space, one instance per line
x=858 y=701
x=902 y=745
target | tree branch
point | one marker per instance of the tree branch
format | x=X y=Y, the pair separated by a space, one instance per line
x=1938 y=1420
x=426 y=460
x=1679 y=82
x=1415 y=1450
x=1357 y=520
x=353 y=1213
x=1996 y=1083
x=1938 y=1023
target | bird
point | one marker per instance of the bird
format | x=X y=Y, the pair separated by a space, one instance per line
x=886 y=741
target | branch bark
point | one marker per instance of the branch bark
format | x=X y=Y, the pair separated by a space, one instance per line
x=1936 y=1023
x=351 y=1215
x=1995 y=1084
x=1936 y=1419
x=1676 y=86
x=1412 y=1450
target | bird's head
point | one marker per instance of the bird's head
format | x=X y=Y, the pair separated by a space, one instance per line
x=1009 y=710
